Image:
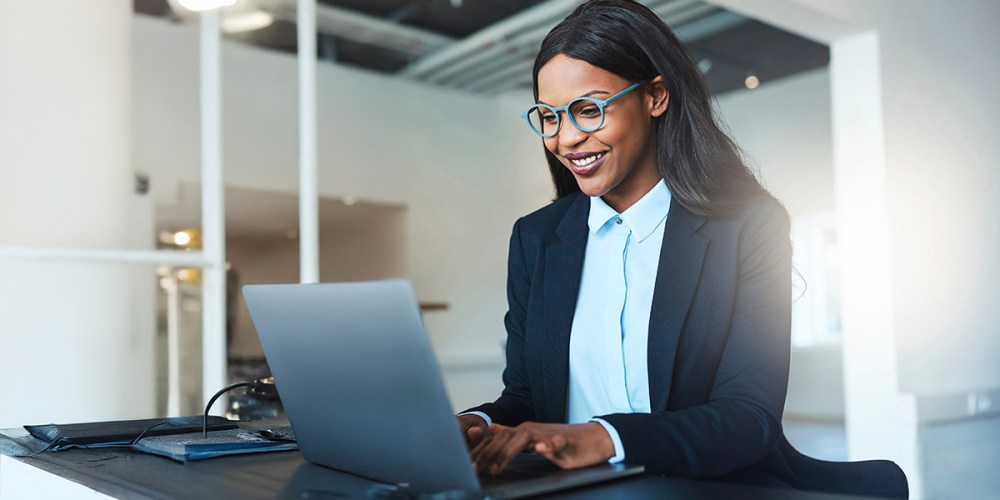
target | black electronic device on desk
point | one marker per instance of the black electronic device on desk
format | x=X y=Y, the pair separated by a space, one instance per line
x=120 y=432
x=180 y=438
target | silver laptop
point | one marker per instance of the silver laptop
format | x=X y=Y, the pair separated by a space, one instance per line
x=364 y=394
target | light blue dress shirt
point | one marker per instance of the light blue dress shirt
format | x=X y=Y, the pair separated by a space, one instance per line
x=607 y=348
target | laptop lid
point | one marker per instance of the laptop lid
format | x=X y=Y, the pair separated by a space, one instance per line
x=360 y=383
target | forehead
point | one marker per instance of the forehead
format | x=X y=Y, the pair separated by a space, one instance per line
x=563 y=79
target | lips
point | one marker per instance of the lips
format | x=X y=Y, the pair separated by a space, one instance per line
x=585 y=163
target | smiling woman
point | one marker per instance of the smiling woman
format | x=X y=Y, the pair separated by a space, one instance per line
x=649 y=305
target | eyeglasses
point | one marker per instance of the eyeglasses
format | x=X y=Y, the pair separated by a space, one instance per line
x=585 y=113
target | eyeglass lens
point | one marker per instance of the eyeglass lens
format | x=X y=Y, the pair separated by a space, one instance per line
x=585 y=114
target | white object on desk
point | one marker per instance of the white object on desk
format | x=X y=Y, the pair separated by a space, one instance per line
x=19 y=480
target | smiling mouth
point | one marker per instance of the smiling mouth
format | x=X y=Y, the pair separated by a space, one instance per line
x=585 y=161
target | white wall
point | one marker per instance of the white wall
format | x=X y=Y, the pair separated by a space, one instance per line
x=942 y=118
x=446 y=156
x=915 y=121
x=784 y=127
x=75 y=337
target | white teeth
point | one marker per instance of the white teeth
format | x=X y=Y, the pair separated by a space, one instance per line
x=588 y=160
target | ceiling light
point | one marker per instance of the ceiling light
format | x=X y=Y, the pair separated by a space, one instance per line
x=751 y=81
x=246 y=21
x=203 y=5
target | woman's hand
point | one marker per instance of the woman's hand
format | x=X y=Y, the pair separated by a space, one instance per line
x=474 y=429
x=567 y=445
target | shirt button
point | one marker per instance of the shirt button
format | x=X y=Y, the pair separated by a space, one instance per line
x=618 y=221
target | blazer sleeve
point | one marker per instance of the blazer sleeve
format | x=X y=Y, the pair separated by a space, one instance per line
x=741 y=422
x=514 y=404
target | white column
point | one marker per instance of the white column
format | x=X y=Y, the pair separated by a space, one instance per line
x=170 y=285
x=69 y=347
x=881 y=422
x=308 y=193
x=214 y=357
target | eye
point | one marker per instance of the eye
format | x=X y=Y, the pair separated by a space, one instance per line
x=589 y=112
x=549 y=117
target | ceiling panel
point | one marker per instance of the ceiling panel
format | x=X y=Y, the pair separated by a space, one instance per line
x=390 y=36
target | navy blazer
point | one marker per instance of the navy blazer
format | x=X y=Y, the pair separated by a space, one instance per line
x=719 y=332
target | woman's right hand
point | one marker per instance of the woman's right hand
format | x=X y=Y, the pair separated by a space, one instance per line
x=474 y=429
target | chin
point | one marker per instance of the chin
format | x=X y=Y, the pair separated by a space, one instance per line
x=596 y=184
x=591 y=188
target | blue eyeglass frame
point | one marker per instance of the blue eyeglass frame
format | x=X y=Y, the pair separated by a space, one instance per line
x=601 y=104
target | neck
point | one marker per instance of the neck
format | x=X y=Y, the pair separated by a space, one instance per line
x=624 y=197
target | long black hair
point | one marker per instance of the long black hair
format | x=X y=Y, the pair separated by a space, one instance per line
x=702 y=166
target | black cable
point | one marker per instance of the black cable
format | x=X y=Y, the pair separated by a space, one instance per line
x=144 y=431
x=56 y=443
x=208 y=407
x=52 y=444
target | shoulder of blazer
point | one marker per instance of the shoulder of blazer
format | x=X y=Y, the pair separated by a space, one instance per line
x=541 y=225
x=753 y=216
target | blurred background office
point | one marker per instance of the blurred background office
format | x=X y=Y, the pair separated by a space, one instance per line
x=152 y=155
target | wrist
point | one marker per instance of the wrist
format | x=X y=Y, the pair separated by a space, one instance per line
x=603 y=443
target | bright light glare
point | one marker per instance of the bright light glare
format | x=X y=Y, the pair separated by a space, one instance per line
x=203 y=5
x=751 y=82
x=246 y=21
x=182 y=238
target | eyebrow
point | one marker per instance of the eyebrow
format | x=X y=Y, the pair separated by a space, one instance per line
x=588 y=94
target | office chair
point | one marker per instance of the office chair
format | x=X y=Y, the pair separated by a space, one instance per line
x=881 y=478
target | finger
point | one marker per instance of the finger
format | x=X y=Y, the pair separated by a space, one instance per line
x=501 y=450
x=556 y=449
x=489 y=432
x=521 y=441
x=546 y=451
x=474 y=435
x=559 y=444
x=483 y=454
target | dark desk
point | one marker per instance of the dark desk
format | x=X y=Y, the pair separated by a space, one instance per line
x=130 y=474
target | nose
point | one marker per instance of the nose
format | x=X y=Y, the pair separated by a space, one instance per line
x=569 y=135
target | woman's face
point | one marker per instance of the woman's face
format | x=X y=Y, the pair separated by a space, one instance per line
x=618 y=160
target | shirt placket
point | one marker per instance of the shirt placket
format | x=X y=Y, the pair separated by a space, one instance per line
x=617 y=333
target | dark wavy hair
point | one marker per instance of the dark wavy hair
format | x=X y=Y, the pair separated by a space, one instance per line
x=701 y=164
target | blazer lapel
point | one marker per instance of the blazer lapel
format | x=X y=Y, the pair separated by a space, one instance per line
x=681 y=256
x=563 y=267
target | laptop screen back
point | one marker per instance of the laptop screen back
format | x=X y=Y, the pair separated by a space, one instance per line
x=360 y=383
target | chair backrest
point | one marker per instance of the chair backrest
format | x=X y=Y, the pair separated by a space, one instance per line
x=880 y=478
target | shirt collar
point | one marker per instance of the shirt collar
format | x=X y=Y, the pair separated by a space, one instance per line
x=642 y=218
x=600 y=214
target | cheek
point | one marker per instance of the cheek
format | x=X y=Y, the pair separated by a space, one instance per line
x=551 y=145
x=628 y=143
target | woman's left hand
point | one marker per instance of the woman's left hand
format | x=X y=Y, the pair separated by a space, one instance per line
x=567 y=445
